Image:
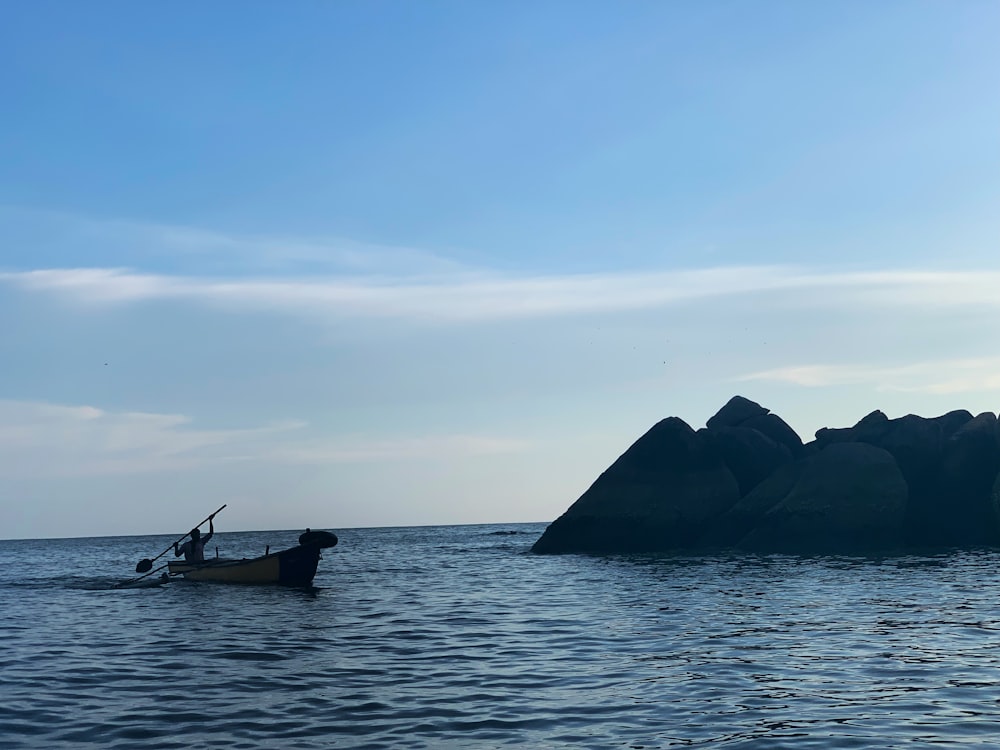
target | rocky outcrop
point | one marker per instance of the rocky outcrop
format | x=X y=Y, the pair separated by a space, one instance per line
x=778 y=430
x=739 y=521
x=916 y=444
x=850 y=497
x=742 y=412
x=747 y=481
x=969 y=465
x=736 y=411
x=660 y=494
x=750 y=455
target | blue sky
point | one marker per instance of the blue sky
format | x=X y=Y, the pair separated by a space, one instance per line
x=367 y=264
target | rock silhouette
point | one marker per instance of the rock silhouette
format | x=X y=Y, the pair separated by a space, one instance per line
x=746 y=481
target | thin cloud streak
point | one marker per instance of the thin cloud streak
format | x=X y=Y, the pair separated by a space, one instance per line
x=120 y=238
x=485 y=296
x=963 y=376
x=55 y=440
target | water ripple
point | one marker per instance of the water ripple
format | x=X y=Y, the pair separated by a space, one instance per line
x=453 y=637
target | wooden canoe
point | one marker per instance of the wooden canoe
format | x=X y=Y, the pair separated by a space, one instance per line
x=295 y=566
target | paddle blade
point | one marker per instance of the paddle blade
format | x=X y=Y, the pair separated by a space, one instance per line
x=144 y=566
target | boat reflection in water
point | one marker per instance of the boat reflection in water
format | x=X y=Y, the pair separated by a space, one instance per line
x=295 y=566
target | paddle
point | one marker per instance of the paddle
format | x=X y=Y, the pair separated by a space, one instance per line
x=146 y=564
x=132 y=581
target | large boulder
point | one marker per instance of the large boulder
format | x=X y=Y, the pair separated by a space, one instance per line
x=969 y=467
x=749 y=512
x=953 y=421
x=849 y=497
x=736 y=411
x=753 y=441
x=829 y=435
x=750 y=455
x=995 y=500
x=870 y=429
x=777 y=429
x=916 y=444
x=949 y=464
x=660 y=494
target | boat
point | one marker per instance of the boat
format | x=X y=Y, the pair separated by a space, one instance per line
x=295 y=566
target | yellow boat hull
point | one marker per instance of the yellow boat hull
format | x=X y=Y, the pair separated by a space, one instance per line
x=295 y=566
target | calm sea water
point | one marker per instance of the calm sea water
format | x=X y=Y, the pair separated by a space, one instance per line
x=457 y=637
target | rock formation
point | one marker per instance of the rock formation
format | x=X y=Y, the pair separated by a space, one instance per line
x=746 y=481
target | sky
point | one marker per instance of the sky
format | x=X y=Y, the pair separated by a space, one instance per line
x=375 y=263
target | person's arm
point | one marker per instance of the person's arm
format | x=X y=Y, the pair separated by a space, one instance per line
x=177 y=551
x=211 y=530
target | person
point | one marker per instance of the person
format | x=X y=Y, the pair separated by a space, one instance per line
x=194 y=548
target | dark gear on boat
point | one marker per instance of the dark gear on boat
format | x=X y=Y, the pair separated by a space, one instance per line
x=322 y=539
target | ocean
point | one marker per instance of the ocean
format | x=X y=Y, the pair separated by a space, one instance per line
x=458 y=637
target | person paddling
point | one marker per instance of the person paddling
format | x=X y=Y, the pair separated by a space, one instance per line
x=194 y=549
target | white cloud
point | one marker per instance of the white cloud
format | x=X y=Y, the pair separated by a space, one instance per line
x=100 y=285
x=71 y=235
x=51 y=440
x=482 y=296
x=939 y=377
x=346 y=278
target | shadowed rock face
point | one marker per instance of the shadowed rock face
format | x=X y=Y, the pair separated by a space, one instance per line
x=746 y=481
x=736 y=411
x=969 y=465
x=849 y=497
x=660 y=494
x=750 y=455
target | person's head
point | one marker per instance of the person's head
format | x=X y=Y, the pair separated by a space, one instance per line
x=195 y=534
